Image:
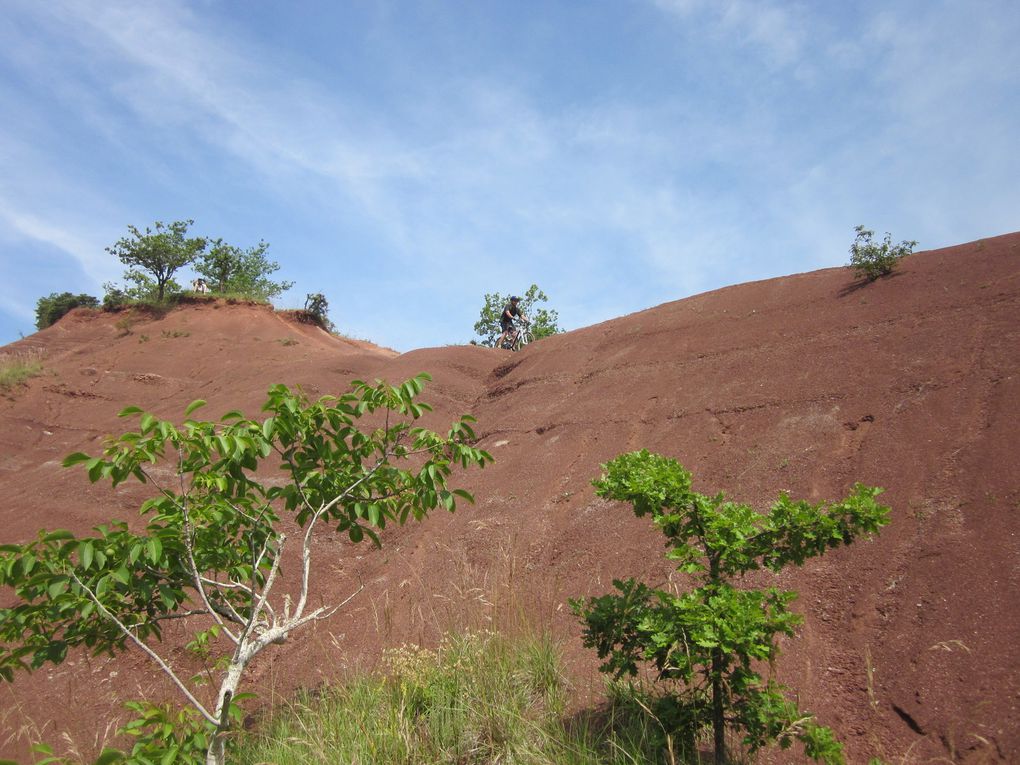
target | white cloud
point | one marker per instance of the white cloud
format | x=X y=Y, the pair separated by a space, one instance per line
x=788 y=128
x=777 y=29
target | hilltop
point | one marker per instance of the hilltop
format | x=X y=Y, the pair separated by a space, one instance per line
x=805 y=384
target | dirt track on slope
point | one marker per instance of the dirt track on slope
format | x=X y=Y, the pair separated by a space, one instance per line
x=807 y=384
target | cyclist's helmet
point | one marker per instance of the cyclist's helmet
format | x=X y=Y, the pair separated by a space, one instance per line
x=515 y=299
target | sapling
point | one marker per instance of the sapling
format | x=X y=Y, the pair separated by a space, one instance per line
x=709 y=644
x=870 y=259
x=217 y=531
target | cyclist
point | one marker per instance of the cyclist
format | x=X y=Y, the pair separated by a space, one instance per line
x=506 y=319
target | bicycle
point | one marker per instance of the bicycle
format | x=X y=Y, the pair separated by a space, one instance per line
x=520 y=337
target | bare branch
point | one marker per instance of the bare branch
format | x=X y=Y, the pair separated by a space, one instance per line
x=326 y=612
x=264 y=595
x=152 y=654
x=306 y=548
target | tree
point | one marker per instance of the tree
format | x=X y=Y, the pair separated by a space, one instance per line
x=871 y=260
x=52 y=307
x=231 y=269
x=707 y=644
x=160 y=253
x=543 y=321
x=214 y=542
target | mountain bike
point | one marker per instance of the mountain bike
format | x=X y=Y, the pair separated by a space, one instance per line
x=520 y=336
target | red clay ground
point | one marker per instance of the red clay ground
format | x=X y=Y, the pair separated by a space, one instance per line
x=911 y=643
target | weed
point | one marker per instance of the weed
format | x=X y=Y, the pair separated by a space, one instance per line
x=17 y=367
x=869 y=670
x=477 y=697
x=143 y=338
x=287 y=341
x=949 y=646
x=170 y=333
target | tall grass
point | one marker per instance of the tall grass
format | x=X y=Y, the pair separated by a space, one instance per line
x=18 y=366
x=477 y=698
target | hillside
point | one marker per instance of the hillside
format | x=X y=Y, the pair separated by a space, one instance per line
x=808 y=383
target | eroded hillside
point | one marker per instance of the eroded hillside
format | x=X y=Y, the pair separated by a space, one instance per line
x=805 y=384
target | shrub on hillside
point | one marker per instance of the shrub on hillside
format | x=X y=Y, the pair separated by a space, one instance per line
x=543 y=320
x=317 y=307
x=241 y=272
x=50 y=308
x=871 y=260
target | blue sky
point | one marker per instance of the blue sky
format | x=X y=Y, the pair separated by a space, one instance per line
x=405 y=158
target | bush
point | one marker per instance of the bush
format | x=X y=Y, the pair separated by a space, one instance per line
x=871 y=260
x=543 y=320
x=229 y=269
x=52 y=307
x=317 y=306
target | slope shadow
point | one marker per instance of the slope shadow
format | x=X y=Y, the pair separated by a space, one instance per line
x=860 y=284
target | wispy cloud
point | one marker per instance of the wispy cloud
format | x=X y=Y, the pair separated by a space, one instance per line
x=749 y=148
x=780 y=30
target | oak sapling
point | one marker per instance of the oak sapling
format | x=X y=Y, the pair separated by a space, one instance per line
x=210 y=554
x=708 y=645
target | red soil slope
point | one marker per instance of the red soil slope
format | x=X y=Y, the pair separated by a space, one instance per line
x=911 y=643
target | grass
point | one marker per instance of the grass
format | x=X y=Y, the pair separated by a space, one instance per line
x=19 y=366
x=477 y=698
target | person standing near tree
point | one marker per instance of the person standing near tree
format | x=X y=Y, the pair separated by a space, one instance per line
x=506 y=319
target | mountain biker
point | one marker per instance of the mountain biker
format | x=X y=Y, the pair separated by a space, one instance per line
x=506 y=319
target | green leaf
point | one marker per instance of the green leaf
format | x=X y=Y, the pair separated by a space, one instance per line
x=57 y=586
x=154 y=549
x=128 y=411
x=28 y=561
x=198 y=402
x=373 y=514
x=225 y=444
x=86 y=552
x=109 y=757
x=74 y=459
x=58 y=534
x=95 y=469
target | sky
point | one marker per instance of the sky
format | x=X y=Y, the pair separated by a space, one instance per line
x=407 y=158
